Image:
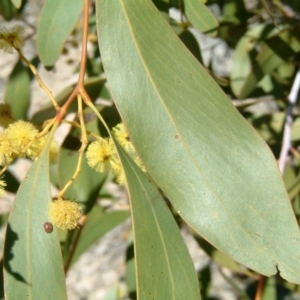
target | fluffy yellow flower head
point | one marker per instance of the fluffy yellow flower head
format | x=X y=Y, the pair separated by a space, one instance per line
x=11 y=38
x=5 y=115
x=64 y=214
x=20 y=133
x=2 y=185
x=118 y=171
x=122 y=136
x=5 y=149
x=100 y=154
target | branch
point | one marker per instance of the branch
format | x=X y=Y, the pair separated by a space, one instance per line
x=80 y=84
x=286 y=141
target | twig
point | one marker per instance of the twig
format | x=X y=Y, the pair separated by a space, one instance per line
x=84 y=143
x=81 y=223
x=267 y=8
x=260 y=287
x=38 y=78
x=80 y=84
x=286 y=141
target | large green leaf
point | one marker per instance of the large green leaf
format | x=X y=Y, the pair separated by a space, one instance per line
x=33 y=267
x=57 y=20
x=201 y=17
x=218 y=173
x=164 y=268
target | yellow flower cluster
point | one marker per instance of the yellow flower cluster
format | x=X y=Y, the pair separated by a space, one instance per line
x=16 y=137
x=102 y=156
x=64 y=214
x=11 y=38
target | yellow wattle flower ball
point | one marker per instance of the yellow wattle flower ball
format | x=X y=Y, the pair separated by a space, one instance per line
x=11 y=38
x=100 y=154
x=64 y=214
x=6 y=155
x=118 y=171
x=122 y=136
x=20 y=133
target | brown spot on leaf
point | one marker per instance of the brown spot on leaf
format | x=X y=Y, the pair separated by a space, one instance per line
x=48 y=227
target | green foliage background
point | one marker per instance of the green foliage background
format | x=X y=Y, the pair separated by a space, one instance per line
x=209 y=145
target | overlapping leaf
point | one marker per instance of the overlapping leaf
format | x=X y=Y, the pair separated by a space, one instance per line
x=57 y=20
x=33 y=265
x=17 y=92
x=277 y=49
x=201 y=17
x=217 y=172
x=164 y=268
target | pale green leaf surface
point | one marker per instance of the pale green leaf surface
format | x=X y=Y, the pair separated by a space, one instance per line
x=163 y=6
x=201 y=17
x=33 y=267
x=57 y=20
x=218 y=173
x=164 y=267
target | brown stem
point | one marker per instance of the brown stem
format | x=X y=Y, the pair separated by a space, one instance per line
x=260 y=287
x=84 y=44
x=61 y=113
x=74 y=245
x=80 y=84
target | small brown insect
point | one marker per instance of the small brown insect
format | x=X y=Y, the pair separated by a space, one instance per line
x=48 y=227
